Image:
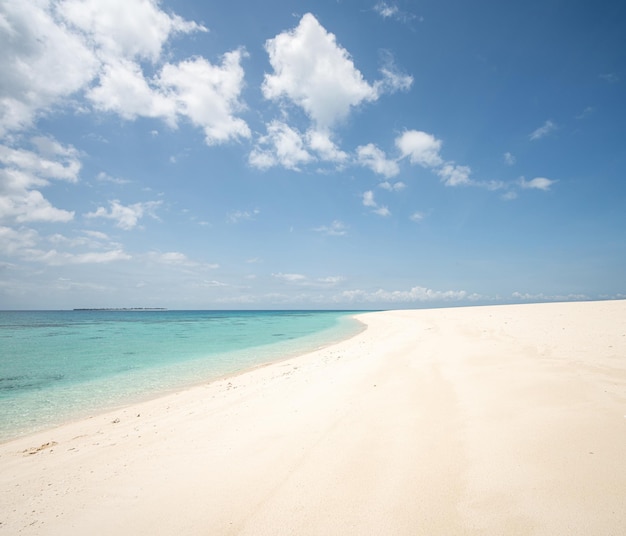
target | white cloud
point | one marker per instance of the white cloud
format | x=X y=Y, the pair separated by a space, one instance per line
x=213 y=283
x=52 y=161
x=282 y=145
x=105 y=177
x=331 y=280
x=301 y=280
x=55 y=49
x=23 y=243
x=13 y=241
x=312 y=71
x=509 y=159
x=42 y=62
x=393 y=79
x=368 y=199
x=374 y=158
x=543 y=130
x=392 y=187
x=391 y=10
x=413 y=295
x=382 y=211
x=538 y=183
x=453 y=175
x=24 y=170
x=421 y=148
x=137 y=29
x=336 y=228
x=417 y=216
x=31 y=207
x=87 y=239
x=96 y=257
x=173 y=257
x=123 y=89
x=125 y=217
x=315 y=73
x=205 y=94
x=209 y=95
x=242 y=215
x=424 y=149
x=525 y=296
x=290 y=278
x=320 y=141
x=385 y=10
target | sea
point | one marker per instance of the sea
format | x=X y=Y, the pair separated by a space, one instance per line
x=56 y=366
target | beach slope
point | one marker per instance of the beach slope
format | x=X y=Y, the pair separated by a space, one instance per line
x=503 y=420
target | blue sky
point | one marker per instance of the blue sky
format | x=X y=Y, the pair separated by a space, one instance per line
x=330 y=154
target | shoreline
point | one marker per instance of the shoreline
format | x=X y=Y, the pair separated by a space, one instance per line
x=503 y=419
x=278 y=352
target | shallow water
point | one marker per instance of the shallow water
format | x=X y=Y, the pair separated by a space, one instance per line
x=59 y=365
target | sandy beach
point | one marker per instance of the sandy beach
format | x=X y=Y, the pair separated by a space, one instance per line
x=498 y=420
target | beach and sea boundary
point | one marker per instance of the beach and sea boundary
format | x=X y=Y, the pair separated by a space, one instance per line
x=503 y=420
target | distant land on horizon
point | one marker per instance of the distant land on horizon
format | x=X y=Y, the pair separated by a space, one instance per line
x=120 y=309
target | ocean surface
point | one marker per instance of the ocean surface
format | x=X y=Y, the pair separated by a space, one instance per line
x=59 y=365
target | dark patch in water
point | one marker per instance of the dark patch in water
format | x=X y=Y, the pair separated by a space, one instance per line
x=24 y=382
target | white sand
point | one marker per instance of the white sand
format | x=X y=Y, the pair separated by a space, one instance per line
x=505 y=420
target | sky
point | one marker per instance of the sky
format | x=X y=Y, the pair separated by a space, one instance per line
x=327 y=154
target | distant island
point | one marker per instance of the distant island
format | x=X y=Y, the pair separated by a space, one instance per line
x=121 y=309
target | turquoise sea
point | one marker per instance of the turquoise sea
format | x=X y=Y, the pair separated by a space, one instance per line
x=60 y=365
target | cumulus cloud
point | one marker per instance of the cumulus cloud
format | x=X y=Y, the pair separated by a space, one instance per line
x=118 y=27
x=312 y=71
x=208 y=95
x=453 y=175
x=58 y=49
x=282 y=145
x=24 y=172
x=31 y=206
x=538 y=183
x=52 y=160
x=420 y=147
x=369 y=201
x=124 y=90
x=424 y=149
x=42 y=62
x=374 y=158
x=125 y=216
x=321 y=142
x=543 y=130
